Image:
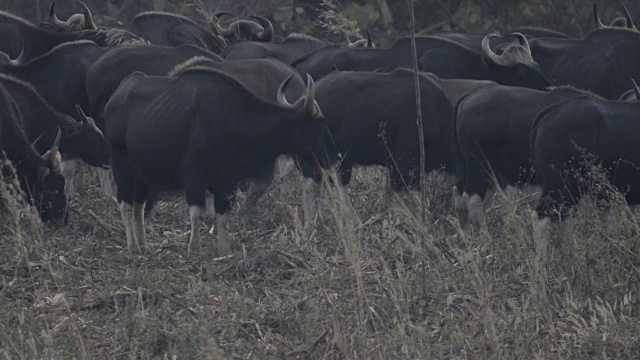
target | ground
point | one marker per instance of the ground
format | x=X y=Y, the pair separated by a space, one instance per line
x=390 y=287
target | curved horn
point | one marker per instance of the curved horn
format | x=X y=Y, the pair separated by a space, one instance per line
x=596 y=18
x=347 y=42
x=53 y=152
x=89 y=24
x=486 y=49
x=267 y=32
x=359 y=43
x=219 y=14
x=230 y=31
x=522 y=40
x=636 y=90
x=627 y=17
x=282 y=99
x=53 y=18
x=33 y=144
x=82 y=116
x=22 y=58
x=310 y=97
x=239 y=27
x=370 y=43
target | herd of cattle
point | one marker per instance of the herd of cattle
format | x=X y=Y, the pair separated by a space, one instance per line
x=167 y=104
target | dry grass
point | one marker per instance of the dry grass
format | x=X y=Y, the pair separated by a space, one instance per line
x=391 y=287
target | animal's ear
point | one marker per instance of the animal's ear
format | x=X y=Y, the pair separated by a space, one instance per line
x=310 y=104
x=370 y=43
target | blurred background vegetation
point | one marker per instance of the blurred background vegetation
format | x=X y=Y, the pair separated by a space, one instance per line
x=386 y=19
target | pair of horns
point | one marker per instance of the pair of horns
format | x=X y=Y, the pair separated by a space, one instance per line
x=628 y=22
x=368 y=43
x=261 y=29
x=85 y=19
x=502 y=59
x=309 y=98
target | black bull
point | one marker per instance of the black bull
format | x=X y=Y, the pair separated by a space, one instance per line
x=602 y=62
x=201 y=129
x=442 y=57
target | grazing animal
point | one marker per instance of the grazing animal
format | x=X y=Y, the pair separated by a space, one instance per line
x=40 y=178
x=563 y=134
x=492 y=131
x=262 y=77
x=602 y=62
x=59 y=75
x=372 y=117
x=203 y=130
x=15 y=30
x=442 y=57
x=159 y=28
x=452 y=88
x=80 y=140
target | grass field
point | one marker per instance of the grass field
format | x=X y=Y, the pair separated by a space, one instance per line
x=391 y=287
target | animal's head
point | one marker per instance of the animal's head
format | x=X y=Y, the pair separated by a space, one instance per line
x=311 y=137
x=259 y=30
x=76 y=22
x=87 y=140
x=515 y=66
x=47 y=189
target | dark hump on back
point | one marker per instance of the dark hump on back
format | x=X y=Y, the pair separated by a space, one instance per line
x=7 y=17
x=569 y=90
x=304 y=58
x=408 y=74
x=208 y=73
x=612 y=33
x=429 y=41
x=198 y=51
x=196 y=61
x=536 y=31
x=65 y=47
x=295 y=37
x=161 y=15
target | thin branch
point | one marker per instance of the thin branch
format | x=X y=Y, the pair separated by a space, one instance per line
x=416 y=73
